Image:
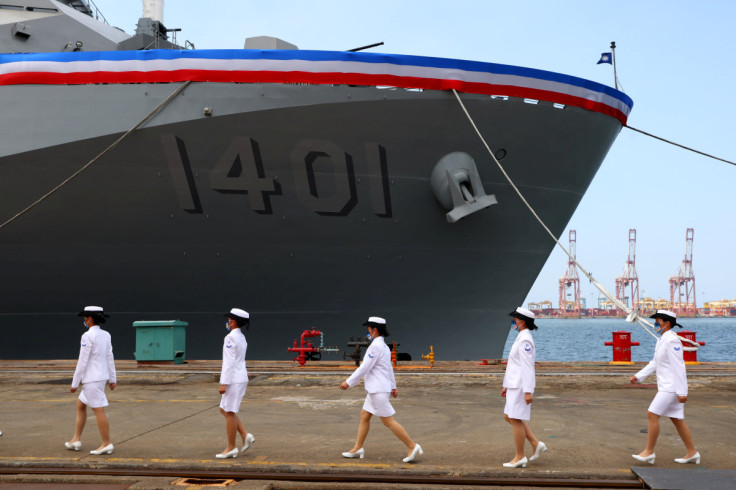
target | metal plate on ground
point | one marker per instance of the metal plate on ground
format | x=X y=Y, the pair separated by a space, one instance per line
x=686 y=479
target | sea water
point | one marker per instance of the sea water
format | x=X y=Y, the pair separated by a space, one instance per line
x=584 y=339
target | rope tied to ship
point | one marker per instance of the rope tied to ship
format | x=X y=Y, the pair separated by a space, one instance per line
x=632 y=315
x=158 y=109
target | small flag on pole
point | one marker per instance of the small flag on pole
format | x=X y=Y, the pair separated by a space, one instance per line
x=605 y=58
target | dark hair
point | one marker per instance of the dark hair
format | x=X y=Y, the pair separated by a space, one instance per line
x=97 y=318
x=241 y=322
x=382 y=330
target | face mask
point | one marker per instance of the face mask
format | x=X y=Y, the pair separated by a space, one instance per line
x=227 y=326
x=513 y=324
x=84 y=323
x=369 y=336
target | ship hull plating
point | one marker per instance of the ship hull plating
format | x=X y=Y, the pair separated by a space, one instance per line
x=314 y=215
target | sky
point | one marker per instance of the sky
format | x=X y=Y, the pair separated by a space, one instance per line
x=673 y=59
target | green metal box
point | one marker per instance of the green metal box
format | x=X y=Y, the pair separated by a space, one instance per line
x=160 y=341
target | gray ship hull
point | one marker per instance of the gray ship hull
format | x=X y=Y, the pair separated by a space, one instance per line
x=313 y=214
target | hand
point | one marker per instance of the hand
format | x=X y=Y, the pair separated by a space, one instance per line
x=112 y=386
x=222 y=389
x=503 y=392
x=72 y=389
x=633 y=380
x=344 y=385
x=528 y=397
x=682 y=399
x=394 y=393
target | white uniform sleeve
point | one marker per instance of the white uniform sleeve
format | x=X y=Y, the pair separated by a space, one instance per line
x=369 y=360
x=229 y=357
x=111 y=365
x=527 y=367
x=85 y=349
x=679 y=373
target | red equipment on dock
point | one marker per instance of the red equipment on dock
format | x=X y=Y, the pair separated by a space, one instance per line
x=622 y=347
x=690 y=356
x=304 y=350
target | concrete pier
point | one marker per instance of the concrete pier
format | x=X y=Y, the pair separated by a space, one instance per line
x=165 y=418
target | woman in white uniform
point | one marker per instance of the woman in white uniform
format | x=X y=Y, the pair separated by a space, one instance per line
x=379 y=384
x=518 y=388
x=95 y=367
x=671 y=389
x=234 y=381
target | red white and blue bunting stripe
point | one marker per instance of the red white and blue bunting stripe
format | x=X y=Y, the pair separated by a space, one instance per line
x=313 y=67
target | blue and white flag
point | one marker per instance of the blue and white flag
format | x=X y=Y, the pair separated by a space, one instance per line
x=605 y=58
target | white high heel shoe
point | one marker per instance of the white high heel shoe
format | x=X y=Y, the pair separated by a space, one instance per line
x=73 y=445
x=357 y=454
x=417 y=450
x=522 y=462
x=105 y=450
x=249 y=439
x=692 y=459
x=644 y=459
x=229 y=454
x=541 y=447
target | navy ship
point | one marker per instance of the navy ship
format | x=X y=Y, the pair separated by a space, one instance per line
x=311 y=188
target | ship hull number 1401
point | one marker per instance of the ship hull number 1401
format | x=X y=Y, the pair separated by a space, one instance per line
x=241 y=170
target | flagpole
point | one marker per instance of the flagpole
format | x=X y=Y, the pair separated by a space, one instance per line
x=613 y=55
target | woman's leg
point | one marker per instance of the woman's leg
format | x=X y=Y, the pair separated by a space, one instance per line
x=530 y=437
x=103 y=426
x=519 y=428
x=240 y=427
x=363 y=428
x=652 y=434
x=399 y=432
x=81 y=420
x=685 y=435
x=231 y=429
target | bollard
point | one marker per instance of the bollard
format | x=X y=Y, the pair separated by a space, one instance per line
x=622 y=347
x=690 y=356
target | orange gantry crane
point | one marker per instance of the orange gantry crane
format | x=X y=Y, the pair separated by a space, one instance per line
x=629 y=279
x=570 y=280
x=682 y=284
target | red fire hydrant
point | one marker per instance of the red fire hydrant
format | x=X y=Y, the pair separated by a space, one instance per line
x=690 y=356
x=622 y=347
x=304 y=350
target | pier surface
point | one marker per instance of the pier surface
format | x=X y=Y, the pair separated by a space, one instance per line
x=166 y=425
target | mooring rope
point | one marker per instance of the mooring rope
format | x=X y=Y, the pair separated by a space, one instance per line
x=161 y=427
x=108 y=149
x=681 y=146
x=633 y=315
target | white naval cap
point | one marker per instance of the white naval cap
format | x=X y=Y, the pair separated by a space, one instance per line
x=93 y=310
x=379 y=323
x=526 y=315
x=667 y=316
x=376 y=320
x=238 y=313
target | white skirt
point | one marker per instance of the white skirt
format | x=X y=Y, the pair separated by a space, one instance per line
x=516 y=406
x=666 y=404
x=378 y=404
x=234 y=393
x=93 y=394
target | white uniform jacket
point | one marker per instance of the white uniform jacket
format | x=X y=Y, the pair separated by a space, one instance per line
x=96 y=362
x=669 y=365
x=377 y=369
x=233 y=358
x=520 y=365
